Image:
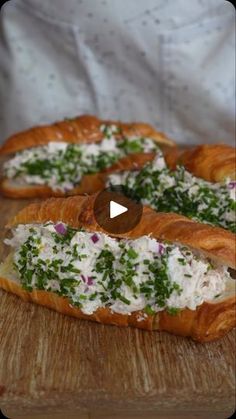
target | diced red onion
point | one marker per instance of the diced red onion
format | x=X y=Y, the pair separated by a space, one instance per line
x=60 y=228
x=90 y=280
x=94 y=238
x=232 y=184
x=161 y=249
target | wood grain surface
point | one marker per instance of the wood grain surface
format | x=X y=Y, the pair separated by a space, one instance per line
x=51 y=364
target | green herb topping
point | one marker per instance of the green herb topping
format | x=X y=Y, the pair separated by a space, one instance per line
x=61 y=165
x=124 y=275
x=180 y=192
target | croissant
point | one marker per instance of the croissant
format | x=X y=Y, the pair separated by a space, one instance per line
x=77 y=130
x=212 y=162
x=210 y=320
x=84 y=129
x=167 y=186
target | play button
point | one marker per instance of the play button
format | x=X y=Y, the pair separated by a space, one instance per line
x=115 y=212
x=116 y=209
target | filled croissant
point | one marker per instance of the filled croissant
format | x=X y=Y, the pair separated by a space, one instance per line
x=66 y=158
x=165 y=190
x=212 y=162
x=168 y=273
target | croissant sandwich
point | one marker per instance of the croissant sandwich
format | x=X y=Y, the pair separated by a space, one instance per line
x=65 y=158
x=169 y=273
x=178 y=190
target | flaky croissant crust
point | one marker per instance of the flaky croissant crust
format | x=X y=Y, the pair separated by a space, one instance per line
x=81 y=129
x=208 y=322
x=212 y=162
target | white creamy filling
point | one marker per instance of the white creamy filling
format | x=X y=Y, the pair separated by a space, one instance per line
x=198 y=281
x=190 y=185
x=120 y=178
x=53 y=150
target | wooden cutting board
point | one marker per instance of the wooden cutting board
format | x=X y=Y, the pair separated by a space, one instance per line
x=52 y=363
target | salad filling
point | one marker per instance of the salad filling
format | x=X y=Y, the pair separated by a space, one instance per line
x=180 y=192
x=61 y=165
x=94 y=270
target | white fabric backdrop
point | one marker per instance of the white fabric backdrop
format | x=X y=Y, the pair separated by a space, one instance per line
x=170 y=63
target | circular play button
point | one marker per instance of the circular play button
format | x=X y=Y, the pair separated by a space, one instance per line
x=115 y=212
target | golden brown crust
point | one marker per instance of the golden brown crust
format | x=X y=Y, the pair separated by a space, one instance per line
x=89 y=184
x=77 y=211
x=172 y=157
x=208 y=322
x=212 y=162
x=81 y=129
x=130 y=162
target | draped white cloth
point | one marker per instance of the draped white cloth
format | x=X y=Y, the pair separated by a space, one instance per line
x=167 y=62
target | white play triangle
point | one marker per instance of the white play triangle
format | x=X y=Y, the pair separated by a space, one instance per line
x=116 y=209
